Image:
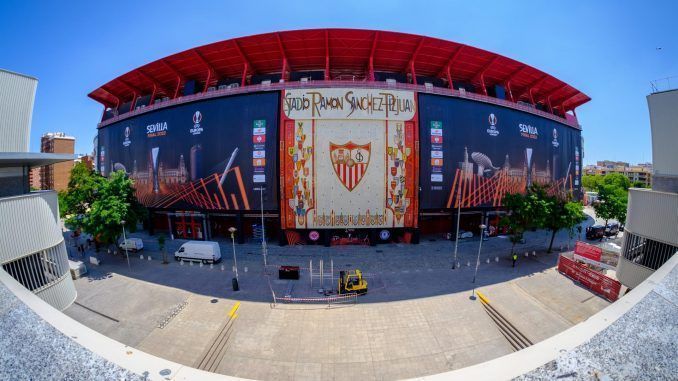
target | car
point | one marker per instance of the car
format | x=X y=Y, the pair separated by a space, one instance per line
x=131 y=244
x=596 y=231
x=612 y=229
x=205 y=251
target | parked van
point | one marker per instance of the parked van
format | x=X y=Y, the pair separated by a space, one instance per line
x=205 y=251
x=131 y=244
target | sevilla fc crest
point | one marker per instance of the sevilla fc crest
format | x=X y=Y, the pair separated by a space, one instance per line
x=350 y=162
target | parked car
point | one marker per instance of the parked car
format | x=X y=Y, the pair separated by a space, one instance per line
x=612 y=229
x=131 y=244
x=595 y=232
x=205 y=251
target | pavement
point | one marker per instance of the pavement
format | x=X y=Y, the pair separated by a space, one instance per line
x=416 y=319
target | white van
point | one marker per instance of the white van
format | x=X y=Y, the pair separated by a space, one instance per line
x=205 y=251
x=131 y=244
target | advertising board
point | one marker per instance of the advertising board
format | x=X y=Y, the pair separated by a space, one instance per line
x=474 y=153
x=204 y=155
x=599 y=283
x=348 y=158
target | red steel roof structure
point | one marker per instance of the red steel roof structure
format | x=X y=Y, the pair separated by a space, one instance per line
x=340 y=54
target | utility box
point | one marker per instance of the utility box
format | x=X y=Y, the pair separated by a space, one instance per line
x=78 y=269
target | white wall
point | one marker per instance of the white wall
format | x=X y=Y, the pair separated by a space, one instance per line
x=664 y=121
x=17 y=95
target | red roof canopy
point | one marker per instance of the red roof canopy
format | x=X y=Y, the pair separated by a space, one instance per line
x=340 y=53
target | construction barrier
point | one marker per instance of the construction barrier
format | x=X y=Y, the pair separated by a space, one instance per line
x=600 y=284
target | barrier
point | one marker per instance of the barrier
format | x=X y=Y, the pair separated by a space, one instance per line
x=598 y=283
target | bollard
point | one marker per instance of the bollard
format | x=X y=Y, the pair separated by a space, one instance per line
x=149 y=257
x=222 y=267
x=527 y=254
x=211 y=266
x=534 y=253
x=245 y=268
x=200 y=264
x=181 y=262
x=487 y=261
x=496 y=259
x=141 y=256
x=458 y=265
x=190 y=263
x=468 y=263
x=233 y=268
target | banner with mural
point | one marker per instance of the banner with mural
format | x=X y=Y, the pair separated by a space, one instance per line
x=206 y=155
x=474 y=153
x=348 y=158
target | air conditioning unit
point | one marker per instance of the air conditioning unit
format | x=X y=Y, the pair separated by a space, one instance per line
x=233 y=85
x=303 y=79
x=266 y=82
x=223 y=87
x=462 y=91
x=281 y=80
x=211 y=88
x=391 y=81
x=428 y=85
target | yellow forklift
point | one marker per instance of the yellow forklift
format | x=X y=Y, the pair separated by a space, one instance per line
x=352 y=282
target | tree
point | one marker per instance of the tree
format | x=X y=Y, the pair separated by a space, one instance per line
x=590 y=182
x=98 y=205
x=638 y=184
x=561 y=213
x=611 y=203
x=617 y=180
x=525 y=211
x=81 y=192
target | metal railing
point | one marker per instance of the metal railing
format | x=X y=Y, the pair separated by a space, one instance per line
x=646 y=252
x=664 y=84
x=337 y=83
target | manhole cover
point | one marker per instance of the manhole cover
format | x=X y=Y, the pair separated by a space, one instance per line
x=214 y=301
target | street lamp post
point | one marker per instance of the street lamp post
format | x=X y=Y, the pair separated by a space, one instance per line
x=482 y=233
x=235 y=261
x=124 y=241
x=456 y=237
x=264 y=248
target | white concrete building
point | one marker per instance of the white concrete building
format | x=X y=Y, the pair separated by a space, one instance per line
x=32 y=248
x=651 y=231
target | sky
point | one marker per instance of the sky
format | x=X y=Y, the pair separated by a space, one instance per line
x=610 y=50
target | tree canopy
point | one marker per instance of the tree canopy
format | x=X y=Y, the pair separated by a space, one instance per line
x=99 y=205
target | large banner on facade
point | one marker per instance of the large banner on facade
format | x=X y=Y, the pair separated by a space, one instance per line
x=207 y=155
x=348 y=158
x=474 y=153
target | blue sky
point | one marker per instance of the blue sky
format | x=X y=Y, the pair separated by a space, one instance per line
x=607 y=49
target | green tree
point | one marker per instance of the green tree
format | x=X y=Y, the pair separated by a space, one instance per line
x=590 y=182
x=525 y=211
x=83 y=186
x=617 y=180
x=611 y=203
x=638 y=184
x=562 y=214
x=114 y=202
x=98 y=205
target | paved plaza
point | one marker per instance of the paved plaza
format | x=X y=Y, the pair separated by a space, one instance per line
x=417 y=318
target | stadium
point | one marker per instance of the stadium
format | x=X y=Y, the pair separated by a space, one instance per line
x=336 y=136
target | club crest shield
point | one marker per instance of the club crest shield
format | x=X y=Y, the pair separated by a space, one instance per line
x=350 y=162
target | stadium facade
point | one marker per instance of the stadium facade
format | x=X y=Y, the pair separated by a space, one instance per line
x=344 y=135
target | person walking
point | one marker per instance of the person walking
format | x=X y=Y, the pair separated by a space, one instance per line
x=515 y=258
